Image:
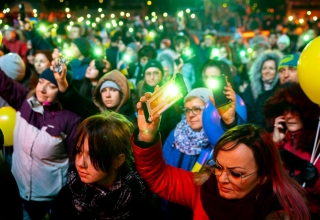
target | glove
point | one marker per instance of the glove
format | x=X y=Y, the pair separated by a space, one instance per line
x=309 y=174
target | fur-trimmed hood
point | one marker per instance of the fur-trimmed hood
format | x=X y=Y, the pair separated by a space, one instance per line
x=257 y=85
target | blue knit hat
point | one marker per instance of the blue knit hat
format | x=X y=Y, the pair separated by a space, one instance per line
x=289 y=60
x=48 y=75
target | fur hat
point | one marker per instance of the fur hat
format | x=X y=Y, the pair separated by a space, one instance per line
x=290 y=96
x=201 y=93
x=13 y=66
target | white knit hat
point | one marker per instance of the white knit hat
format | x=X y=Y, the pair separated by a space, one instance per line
x=284 y=39
x=13 y=66
x=201 y=93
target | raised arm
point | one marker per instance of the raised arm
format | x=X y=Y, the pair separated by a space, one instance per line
x=170 y=183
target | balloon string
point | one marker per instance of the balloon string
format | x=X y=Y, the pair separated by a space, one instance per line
x=315 y=142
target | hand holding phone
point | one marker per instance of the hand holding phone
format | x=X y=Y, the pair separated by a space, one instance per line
x=218 y=84
x=164 y=97
x=279 y=129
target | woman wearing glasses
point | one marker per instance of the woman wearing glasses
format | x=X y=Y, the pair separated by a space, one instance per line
x=248 y=182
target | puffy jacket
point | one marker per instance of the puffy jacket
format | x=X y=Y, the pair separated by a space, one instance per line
x=165 y=180
x=43 y=142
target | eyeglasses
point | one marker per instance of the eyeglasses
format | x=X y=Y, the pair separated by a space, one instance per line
x=195 y=110
x=217 y=170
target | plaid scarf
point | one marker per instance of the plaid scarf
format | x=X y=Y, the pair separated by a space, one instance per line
x=117 y=202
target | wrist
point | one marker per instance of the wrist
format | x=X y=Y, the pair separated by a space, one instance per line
x=146 y=137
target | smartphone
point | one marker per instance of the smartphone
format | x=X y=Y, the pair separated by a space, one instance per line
x=164 y=97
x=22 y=12
x=284 y=125
x=220 y=98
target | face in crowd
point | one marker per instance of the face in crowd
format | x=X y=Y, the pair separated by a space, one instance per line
x=288 y=74
x=41 y=62
x=46 y=91
x=193 y=109
x=268 y=70
x=236 y=172
x=153 y=76
x=111 y=97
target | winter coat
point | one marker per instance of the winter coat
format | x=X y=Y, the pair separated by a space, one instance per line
x=173 y=184
x=43 y=142
x=290 y=143
x=125 y=106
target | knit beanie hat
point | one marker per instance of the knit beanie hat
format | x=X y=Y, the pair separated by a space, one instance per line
x=48 y=75
x=83 y=46
x=284 y=39
x=201 y=93
x=289 y=60
x=133 y=46
x=13 y=66
x=109 y=84
x=153 y=63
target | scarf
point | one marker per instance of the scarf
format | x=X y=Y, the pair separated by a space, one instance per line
x=189 y=141
x=255 y=205
x=116 y=202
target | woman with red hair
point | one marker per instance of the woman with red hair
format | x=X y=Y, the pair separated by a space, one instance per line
x=248 y=180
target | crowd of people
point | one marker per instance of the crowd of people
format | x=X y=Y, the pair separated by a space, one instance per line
x=83 y=149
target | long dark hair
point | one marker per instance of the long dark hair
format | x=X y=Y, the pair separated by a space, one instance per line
x=288 y=191
x=86 y=88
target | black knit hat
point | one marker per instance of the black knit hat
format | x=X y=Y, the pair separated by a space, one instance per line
x=153 y=63
x=83 y=46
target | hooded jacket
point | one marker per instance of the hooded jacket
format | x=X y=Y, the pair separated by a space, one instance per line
x=257 y=84
x=125 y=106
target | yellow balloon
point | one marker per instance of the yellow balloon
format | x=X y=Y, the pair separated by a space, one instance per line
x=0 y=38
x=7 y=123
x=309 y=70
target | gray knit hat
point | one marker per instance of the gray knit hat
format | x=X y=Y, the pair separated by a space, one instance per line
x=201 y=93
x=13 y=66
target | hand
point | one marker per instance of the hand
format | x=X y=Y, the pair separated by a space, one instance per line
x=278 y=131
x=178 y=68
x=61 y=78
x=55 y=53
x=147 y=131
x=25 y=25
x=228 y=112
x=309 y=174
